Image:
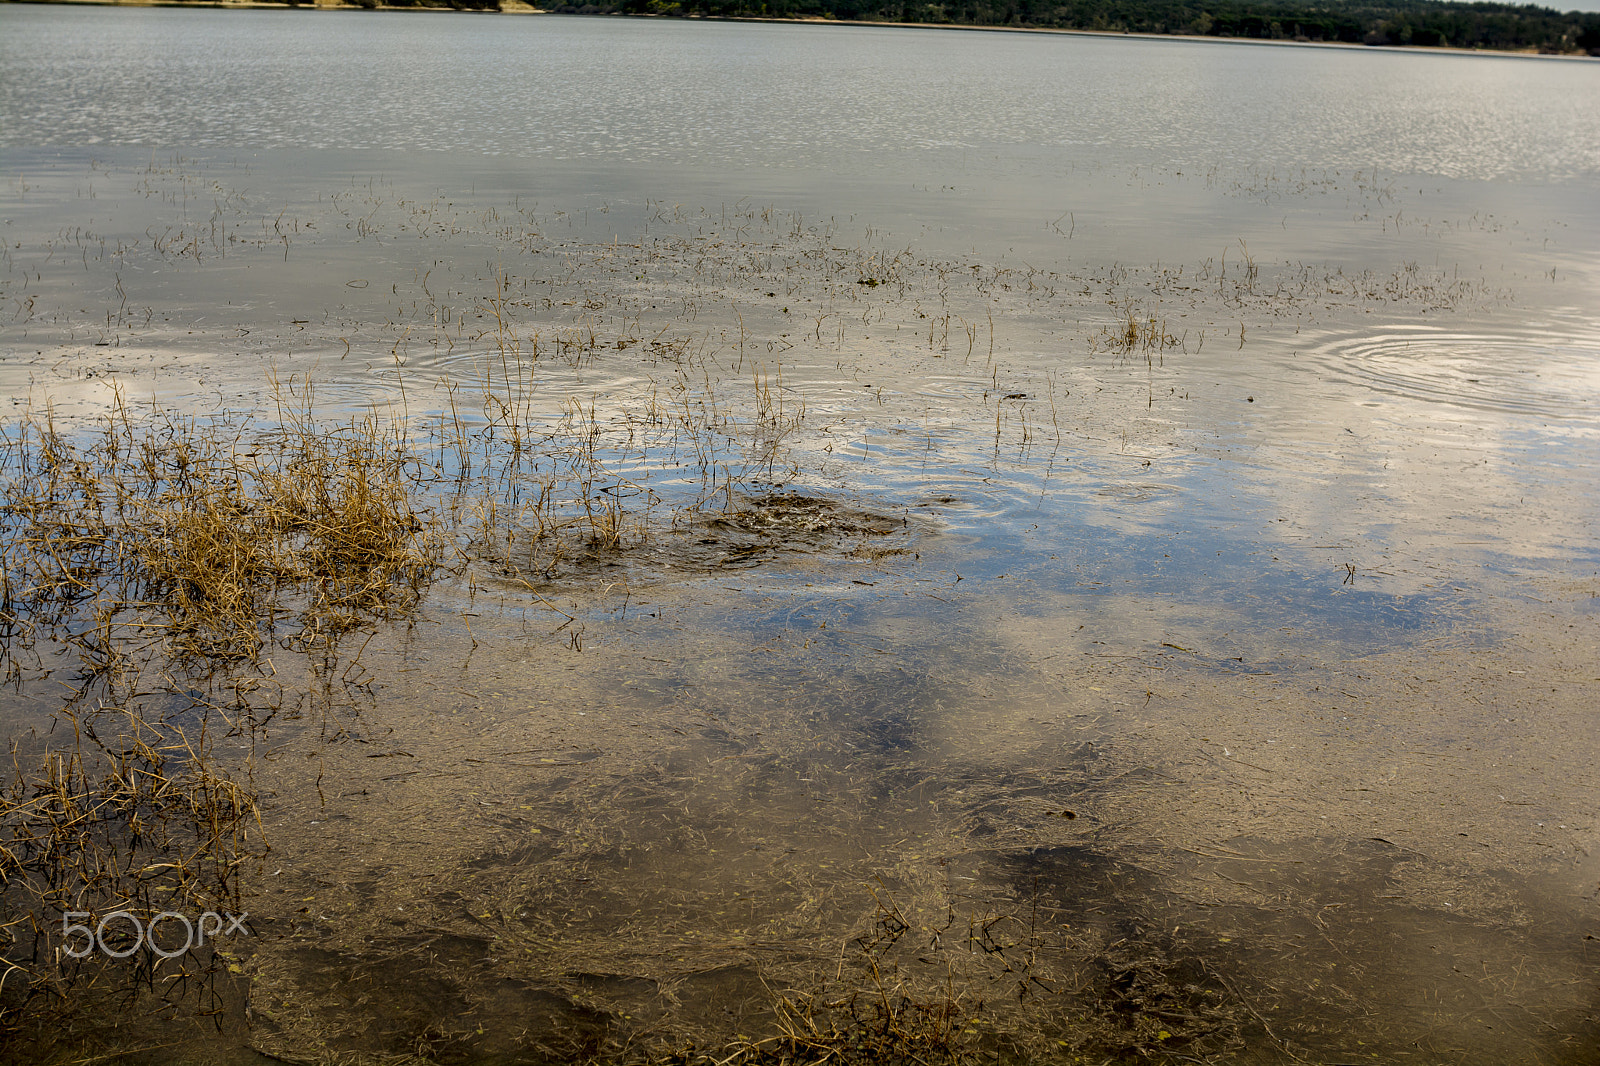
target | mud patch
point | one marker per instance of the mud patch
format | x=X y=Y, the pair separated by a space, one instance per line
x=1311 y=951
x=753 y=530
x=763 y=529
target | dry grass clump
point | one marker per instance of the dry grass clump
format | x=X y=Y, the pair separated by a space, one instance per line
x=1136 y=332
x=147 y=563
x=192 y=531
x=207 y=559
x=345 y=505
x=131 y=816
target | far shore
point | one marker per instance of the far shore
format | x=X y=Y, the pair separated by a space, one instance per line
x=521 y=7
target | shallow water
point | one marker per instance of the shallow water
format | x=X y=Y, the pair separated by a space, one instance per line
x=1285 y=597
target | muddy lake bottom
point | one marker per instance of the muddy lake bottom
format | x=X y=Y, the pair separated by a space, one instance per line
x=919 y=829
x=828 y=650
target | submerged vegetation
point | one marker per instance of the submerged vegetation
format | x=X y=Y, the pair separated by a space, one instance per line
x=146 y=568
x=154 y=566
x=459 y=680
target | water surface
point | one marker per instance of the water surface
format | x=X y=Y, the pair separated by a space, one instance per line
x=1230 y=412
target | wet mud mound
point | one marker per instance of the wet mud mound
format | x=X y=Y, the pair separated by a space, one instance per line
x=751 y=531
x=763 y=528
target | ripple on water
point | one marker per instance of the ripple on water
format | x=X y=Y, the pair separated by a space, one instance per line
x=1548 y=369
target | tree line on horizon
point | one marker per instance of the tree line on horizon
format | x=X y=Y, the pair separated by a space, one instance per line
x=1424 y=23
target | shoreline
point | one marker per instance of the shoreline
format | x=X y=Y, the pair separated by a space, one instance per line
x=1346 y=45
x=521 y=7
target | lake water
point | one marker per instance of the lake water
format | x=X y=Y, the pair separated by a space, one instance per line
x=1151 y=603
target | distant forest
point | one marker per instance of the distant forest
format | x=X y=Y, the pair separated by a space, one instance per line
x=1426 y=23
x=1404 y=22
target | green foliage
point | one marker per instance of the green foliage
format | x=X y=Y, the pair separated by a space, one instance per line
x=1427 y=23
x=1423 y=23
